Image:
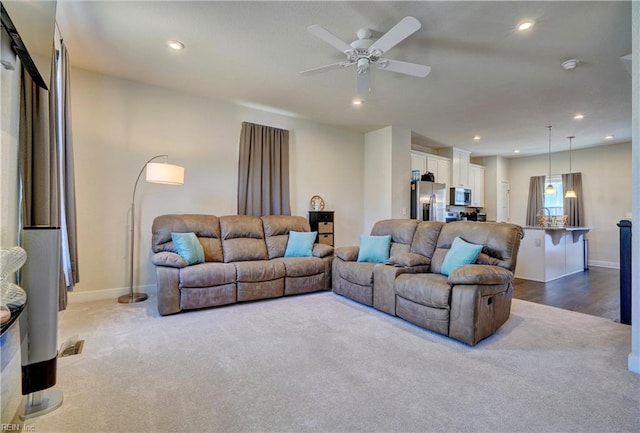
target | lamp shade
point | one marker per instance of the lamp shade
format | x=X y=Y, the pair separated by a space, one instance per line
x=570 y=193
x=167 y=174
x=550 y=189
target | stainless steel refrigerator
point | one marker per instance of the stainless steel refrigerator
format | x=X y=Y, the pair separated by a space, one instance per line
x=428 y=201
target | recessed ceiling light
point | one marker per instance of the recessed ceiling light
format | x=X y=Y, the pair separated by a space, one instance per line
x=476 y=137
x=608 y=137
x=176 y=45
x=516 y=151
x=567 y=65
x=578 y=116
x=525 y=25
x=357 y=102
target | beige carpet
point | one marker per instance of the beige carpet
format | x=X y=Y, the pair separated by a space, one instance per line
x=320 y=362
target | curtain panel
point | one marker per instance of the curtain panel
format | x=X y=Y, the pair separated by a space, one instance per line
x=573 y=207
x=46 y=164
x=38 y=162
x=535 y=203
x=263 y=171
x=61 y=107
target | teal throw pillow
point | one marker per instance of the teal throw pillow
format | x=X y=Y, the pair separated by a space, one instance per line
x=374 y=248
x=460 y=253
x=189 y=248
x=300 y=244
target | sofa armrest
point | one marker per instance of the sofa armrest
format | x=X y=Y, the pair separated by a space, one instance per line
x=322 y=250
x=348 y=254
x=409 y=260
x=384 y=277
x=481 y=275
x=168 y=259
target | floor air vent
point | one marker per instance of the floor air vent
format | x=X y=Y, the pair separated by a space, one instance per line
x=74 y=348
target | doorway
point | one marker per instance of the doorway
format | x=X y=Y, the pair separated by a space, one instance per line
x=504 y=202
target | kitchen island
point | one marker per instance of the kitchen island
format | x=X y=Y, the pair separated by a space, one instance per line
x=548 y=253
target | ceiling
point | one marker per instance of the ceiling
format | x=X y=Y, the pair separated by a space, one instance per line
x=487 y=79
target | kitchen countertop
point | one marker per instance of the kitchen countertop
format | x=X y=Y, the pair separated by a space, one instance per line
x=567 y=228
x=556 y=232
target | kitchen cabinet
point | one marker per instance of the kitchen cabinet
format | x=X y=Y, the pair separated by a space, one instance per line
x=476 y=184
x=440 y=167
x=460 y=167
x=419 y=162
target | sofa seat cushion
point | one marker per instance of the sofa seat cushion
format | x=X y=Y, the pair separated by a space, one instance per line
x=360 y=273
x=257 y=271
x=431 y=290
x=302 y=266
x=208 y=274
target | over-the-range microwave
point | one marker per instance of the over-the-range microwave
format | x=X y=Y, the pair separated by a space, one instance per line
x=460 y=196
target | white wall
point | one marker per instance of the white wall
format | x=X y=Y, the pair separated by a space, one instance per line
x=119 y=124
x=377 y=177
x=606 y=183
x=387 y=174
x=401 y=173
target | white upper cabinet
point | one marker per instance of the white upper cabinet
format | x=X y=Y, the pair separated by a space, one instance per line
x=438 y=165
x=419 y=162
x=476 y=183
x=460 y=169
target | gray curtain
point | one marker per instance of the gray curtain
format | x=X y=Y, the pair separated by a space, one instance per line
x=263 y=171
x=46 y=165
x=535 y=202
x=573 y=207
x=61 y=107
x=38 y=162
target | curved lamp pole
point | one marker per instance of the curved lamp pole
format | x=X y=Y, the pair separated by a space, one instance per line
x=163 y=173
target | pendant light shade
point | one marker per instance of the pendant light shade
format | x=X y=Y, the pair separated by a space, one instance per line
x=550 y=188
x=570 y=191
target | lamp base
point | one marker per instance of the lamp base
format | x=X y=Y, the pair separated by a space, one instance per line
x=132 y=298
x=39 y=403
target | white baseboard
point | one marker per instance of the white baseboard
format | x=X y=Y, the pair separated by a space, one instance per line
x=99 y=295
x=603 y=264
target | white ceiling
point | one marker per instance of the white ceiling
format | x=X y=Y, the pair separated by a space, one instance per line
x=486 y=79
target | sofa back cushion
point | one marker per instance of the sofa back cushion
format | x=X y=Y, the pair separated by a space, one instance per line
x=500 y=242
x=426 y=238
x=242 y=238
x=205 y=227
x=276 y=232
x=401 y=231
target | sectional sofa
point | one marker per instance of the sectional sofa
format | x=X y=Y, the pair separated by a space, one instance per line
x=243 y=260
x=469 y=303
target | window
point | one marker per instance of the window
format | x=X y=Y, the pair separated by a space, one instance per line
x=554 y=202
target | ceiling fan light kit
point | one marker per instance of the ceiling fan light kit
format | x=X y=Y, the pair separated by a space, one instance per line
x=366 y=51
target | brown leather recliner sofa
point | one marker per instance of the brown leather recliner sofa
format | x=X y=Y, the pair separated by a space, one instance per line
x=244 y=261
x=469 y=304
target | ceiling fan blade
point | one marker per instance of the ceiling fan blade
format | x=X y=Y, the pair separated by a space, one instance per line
x=413 y=69
x=331 y=67
x=362 y=83
x=405 y=28
x=330 y=38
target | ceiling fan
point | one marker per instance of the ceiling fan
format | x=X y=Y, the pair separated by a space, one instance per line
x=366 y=51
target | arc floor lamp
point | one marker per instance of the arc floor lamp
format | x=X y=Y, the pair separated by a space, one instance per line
x=163 y=173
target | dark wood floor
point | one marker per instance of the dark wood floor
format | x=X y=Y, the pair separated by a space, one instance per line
x=595 y=291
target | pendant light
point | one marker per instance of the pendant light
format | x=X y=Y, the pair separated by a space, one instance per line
x=549 y=189
x=570 y=191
